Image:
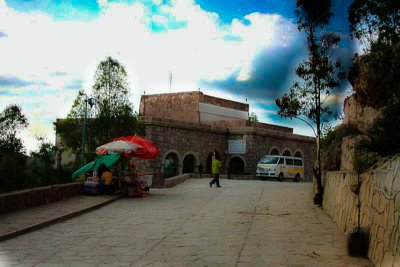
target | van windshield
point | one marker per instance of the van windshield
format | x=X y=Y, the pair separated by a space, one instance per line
x=269 y=160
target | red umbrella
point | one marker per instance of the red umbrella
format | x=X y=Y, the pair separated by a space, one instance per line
x=119 y=147
x=149 y=150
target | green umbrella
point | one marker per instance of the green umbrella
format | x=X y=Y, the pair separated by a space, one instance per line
x=107 y=160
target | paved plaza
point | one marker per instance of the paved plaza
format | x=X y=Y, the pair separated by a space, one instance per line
x=243 y=223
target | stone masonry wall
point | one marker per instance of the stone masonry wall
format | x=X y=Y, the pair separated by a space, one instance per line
x=183 y=106
x=380 y=208
x=178 y=106
x=183 y=138
x=223 y=102
x=28 y=198
x=246 y=123
x=361 y=117
x=261 y=143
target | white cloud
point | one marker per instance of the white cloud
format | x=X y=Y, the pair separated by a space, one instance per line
x=102 y=3
x=37 y=45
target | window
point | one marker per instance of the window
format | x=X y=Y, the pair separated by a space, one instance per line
x=298 y=162
x=281 y=161
x=269 y=160
x=289 y=161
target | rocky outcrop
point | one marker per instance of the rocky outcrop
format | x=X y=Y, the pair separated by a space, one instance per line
x=374 y=76
x=361 y=118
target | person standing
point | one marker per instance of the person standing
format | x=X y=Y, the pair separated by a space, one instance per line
x=216 y=170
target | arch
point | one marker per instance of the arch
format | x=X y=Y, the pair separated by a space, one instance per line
x=298 y=154
x=209 y=159
x=190 y=162
x=287 y=152
x=170 y=164
x=236 y=164
x=274 y=151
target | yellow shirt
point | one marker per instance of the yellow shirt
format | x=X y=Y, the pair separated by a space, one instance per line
x=107 y=177
x=216 y=166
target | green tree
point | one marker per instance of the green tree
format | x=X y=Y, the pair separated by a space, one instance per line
x=375 y=23
x=78 y=107
x=253 y=117
x=12 y=121
x=12 y=157
x=319 y=75
x=45 y=155
x=42 y=166
x=112 y=115
x=111 y=89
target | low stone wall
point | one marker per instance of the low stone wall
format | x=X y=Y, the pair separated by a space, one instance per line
x=173 y=181
x=157 y=179
x=380 y=208
x=226 y=176
x=28 y=198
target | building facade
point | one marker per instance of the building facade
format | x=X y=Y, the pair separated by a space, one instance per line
x=188 y=127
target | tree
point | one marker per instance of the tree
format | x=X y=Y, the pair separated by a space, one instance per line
x=375 y=23
x=12 y=121
x=374 y=75
x=45 y=155
x=319 y=75
x=112 y=115
x=70 y=129
x=12 y=157
x=78 y=107
x=253 y=117
x=111 y=89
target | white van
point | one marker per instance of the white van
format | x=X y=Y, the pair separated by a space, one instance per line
x=280 y=167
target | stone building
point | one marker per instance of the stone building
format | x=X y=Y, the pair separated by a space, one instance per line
x=189 y=126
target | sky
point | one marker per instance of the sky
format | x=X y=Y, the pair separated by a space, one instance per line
x=242 y=50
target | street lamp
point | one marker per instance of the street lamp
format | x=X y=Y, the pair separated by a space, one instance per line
x=91 y=102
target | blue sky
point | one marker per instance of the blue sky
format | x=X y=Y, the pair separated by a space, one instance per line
x=236 y=49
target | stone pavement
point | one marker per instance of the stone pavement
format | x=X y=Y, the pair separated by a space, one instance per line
x=20 y=222
x=244 y=223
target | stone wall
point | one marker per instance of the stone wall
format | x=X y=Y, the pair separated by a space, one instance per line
x=362 y=118
x=246 y=123
x=183 y=106
x=173 y=181
x=182 y=138
x=199 y=140
x=380 y=207
x=261 y=141
x=28 y=198
x=223 y=102
x=178 y=106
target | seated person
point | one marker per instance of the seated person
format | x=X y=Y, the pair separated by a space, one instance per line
x=106 y=184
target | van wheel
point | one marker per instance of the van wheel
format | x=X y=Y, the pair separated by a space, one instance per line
x=280 y=178
x=297 y=178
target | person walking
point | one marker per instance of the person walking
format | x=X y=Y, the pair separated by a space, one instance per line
x=216 y=169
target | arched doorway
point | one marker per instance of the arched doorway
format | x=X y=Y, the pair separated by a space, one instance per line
x=298 y=154
x=209 y=160
x=189 y=164
x=287 y=153
x=170 y=167
x=236 y=166
x=274 y=151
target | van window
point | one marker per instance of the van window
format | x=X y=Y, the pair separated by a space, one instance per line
x=298 y=162
x=289 y=161
x=269 y=160
x=281 y=161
